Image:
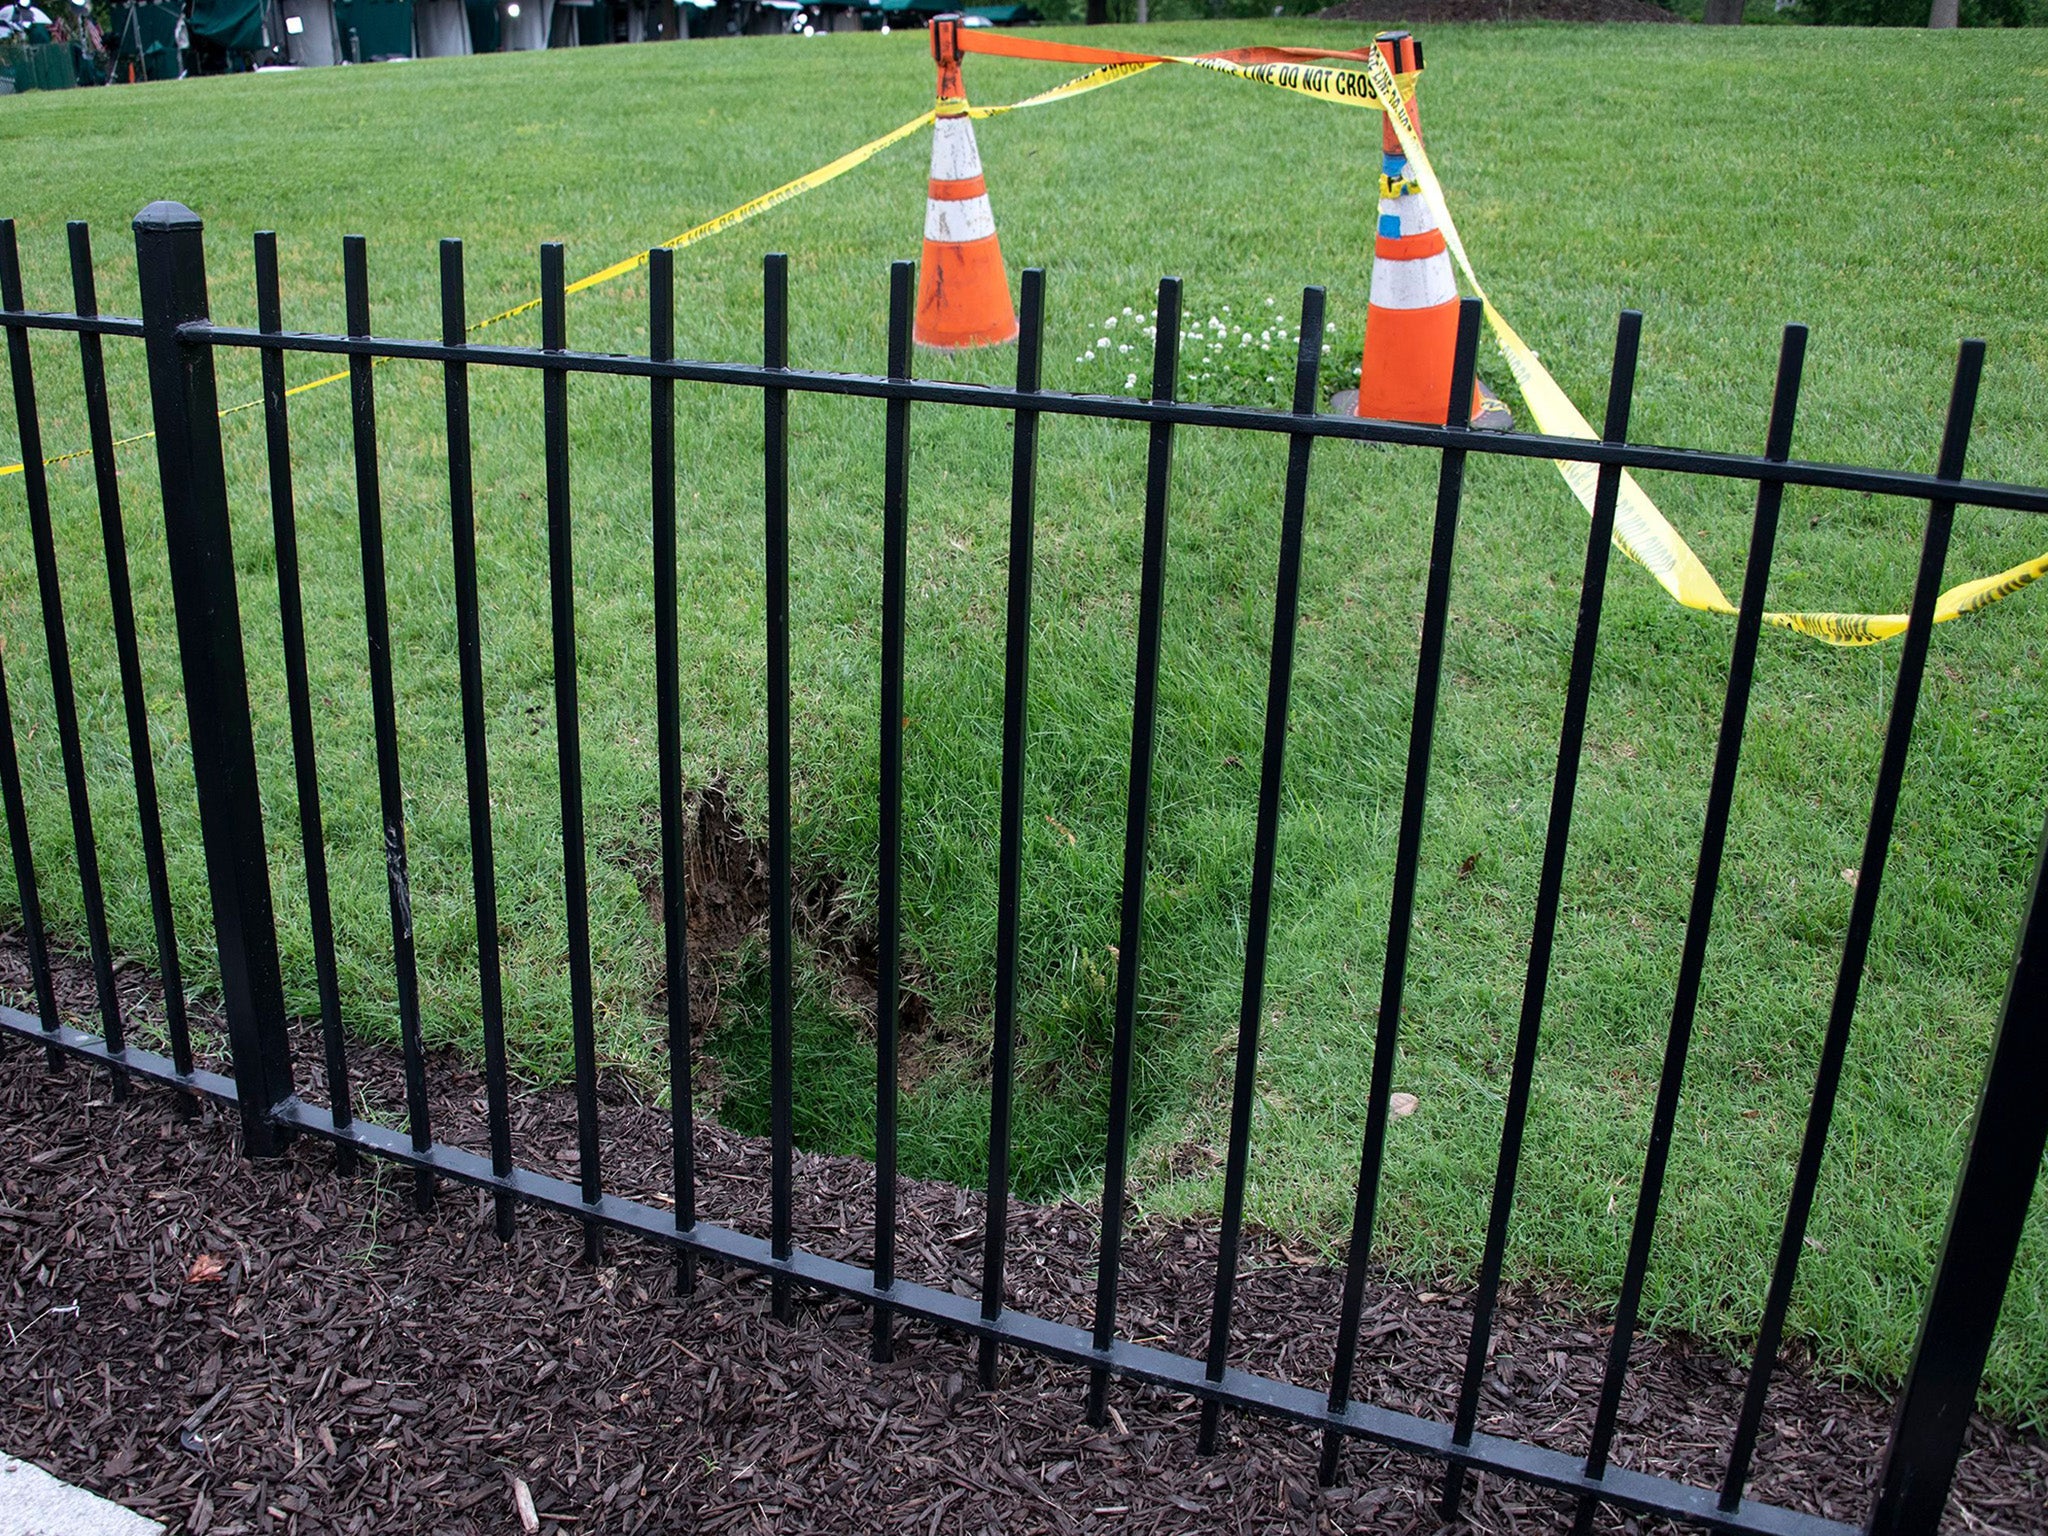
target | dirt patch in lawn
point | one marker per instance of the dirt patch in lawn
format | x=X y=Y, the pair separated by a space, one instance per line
x=725 y=885
x=233 y=1347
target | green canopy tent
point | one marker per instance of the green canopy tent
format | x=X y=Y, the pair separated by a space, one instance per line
x=144 y=38
x=374 y=29
x=233 y=26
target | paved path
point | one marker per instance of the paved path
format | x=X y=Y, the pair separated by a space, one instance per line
x=33 y=1503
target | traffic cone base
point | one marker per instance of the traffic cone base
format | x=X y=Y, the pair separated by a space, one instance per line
x=963 y=299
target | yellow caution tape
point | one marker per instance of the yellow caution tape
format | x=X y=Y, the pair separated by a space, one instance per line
x=1640 y=530
x=1325 y=82
x=724 y=221
x=1093 y=80
x=1327 y=74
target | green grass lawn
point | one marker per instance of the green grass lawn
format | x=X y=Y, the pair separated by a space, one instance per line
x=1883 y=188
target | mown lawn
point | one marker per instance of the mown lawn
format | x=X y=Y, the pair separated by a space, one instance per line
x=1883 y=188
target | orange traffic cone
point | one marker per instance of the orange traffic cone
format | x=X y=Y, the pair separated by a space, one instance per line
x=963 y=298
x=1411 y=324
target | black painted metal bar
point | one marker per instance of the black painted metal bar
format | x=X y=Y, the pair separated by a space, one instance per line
x=299 y=694
x=1132 y=1362
x=36 y=488
x=1010 y=835
x=57 y=320
x=476 y=758
x=889 y=882
x=1519 y=445
x=1557 y=838
x=384 y=709
x=569 y=740
x=1137 y=829
x=1891 y=769
x=1699 y=920
x=170 y=263
x=1778 y=444
x=1977 y=1251
x=661 y=326
x=1265 y=852
x=33 y=937
x=1429 y=664
x=121 y=608
x=781 y=1047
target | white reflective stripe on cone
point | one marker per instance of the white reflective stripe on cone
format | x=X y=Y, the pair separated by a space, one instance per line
x=1420 y=284
x=1412 y=211
x=970 y=218
x=954 y=157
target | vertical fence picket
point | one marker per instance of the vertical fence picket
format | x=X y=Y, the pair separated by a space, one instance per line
x=476 y=759
x=384 y=707
x=889 y=882
x=1010 y=835
x=33 y=937
x=50 y=591
x=1429 y=663
x=569 y=739
x=121 y=610
x=781 y=940
x=299 y=693
x=1308 y=365
x=1137 y=830
x=33 y=934
x=675 y=933
x=1699 y=920
x=1877 y=838
x=1564 y=785
x=1763 y=533
x=1978 y=1249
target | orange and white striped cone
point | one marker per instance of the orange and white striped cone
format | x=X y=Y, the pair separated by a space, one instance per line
x=963 y=296
x=1411 y=323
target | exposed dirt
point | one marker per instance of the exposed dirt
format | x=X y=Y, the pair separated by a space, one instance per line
x=726 y=881
x=1426 y=13
x=234 y=1347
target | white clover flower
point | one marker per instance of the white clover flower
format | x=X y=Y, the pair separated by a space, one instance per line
x=1087 y=357
x=1127 y=309
x=1125 y=347
x=1110 y=323
x=1269 y=301
x=1130 y=381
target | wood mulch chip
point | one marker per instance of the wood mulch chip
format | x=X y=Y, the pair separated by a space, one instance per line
x=234 y=1347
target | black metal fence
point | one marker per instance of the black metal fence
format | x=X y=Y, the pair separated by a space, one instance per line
x=2005 y=1149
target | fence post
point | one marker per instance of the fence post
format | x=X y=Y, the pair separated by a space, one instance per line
x=1984 y=1225
x=170 y=261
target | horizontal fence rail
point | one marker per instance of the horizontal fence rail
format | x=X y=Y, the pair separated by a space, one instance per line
x=180 y=339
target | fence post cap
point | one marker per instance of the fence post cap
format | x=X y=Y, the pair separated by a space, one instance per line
x=167 y=215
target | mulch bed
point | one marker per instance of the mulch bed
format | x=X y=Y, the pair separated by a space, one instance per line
x=233 y=1347
x=1424 y=13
